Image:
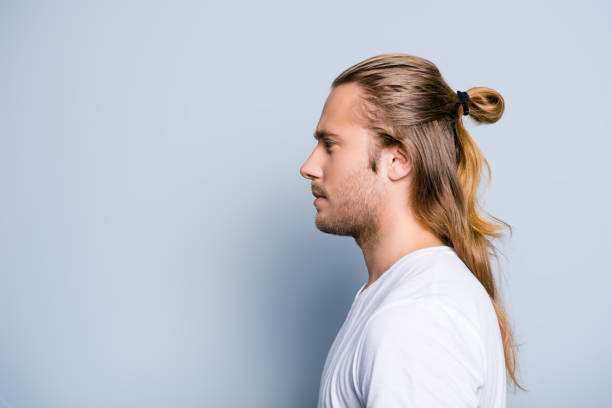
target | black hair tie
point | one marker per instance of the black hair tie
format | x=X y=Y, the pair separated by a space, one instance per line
x=464 y=98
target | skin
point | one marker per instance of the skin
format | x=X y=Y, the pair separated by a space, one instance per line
x=372 y=207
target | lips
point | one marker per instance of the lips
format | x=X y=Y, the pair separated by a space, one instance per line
x=315 y=192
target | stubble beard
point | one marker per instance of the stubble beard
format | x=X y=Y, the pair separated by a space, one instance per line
x=353 y=209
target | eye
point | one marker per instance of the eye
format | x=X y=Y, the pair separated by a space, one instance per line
x=328 y=144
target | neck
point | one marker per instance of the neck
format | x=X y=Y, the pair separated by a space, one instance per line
x=396 y=235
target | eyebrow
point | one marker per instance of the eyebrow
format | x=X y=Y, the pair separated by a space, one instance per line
x=319 y=134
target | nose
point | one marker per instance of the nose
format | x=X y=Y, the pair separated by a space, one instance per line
x=311 y=169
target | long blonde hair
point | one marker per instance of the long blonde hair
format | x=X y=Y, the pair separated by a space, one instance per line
x=407 y=103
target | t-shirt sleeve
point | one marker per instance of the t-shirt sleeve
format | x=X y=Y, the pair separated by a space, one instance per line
x=420 y=354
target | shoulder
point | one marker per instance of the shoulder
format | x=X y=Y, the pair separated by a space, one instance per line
x=420 y=345
x=421 y=319
x=444 y=285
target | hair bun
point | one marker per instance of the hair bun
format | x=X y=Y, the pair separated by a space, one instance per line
x=486 y=104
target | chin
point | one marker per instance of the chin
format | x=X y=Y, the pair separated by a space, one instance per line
x=332 y=228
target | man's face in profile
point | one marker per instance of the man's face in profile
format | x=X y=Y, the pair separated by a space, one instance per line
x=339 y=168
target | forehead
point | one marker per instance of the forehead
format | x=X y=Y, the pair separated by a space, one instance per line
x=341 y=112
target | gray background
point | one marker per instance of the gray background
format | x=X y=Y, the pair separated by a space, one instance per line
x=157 y=242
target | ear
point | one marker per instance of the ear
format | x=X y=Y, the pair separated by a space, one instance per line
x=399 y=164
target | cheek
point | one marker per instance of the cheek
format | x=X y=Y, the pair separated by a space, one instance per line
x=346 y=184
x=338 y=177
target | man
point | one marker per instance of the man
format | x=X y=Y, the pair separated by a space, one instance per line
x=391 y=170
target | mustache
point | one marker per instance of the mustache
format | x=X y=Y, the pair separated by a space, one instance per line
x=318 y=191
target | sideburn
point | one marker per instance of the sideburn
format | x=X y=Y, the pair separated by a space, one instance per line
x=374 y=155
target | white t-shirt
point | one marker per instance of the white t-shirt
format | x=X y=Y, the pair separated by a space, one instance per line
x=423 y=335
